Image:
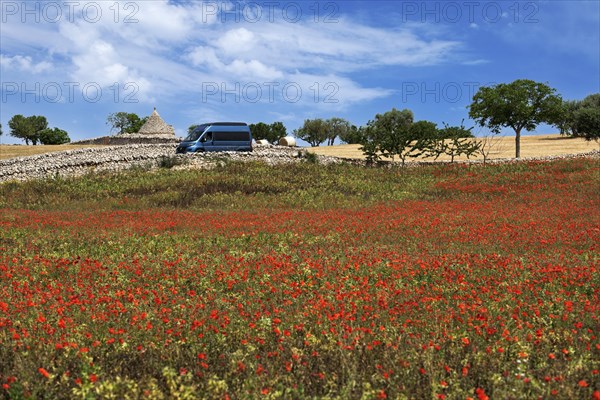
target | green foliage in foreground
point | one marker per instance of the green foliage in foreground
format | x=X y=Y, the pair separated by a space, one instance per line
x=246 y=186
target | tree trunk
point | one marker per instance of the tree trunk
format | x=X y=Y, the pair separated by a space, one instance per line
x=518 y=143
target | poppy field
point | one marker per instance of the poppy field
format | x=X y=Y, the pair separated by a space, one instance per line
x=304 y=281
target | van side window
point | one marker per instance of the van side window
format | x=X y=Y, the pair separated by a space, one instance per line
x=207 y=137
x=233 y=136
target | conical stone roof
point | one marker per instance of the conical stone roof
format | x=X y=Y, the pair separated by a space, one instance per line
x=156 y=126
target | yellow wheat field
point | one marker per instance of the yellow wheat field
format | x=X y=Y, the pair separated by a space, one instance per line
x=501 y=147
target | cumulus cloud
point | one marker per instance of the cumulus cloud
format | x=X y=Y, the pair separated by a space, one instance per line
x=170 y=47
x=24 y=63
x=204 y=56
x=343 y=47
x=287 y=52
x=236 y=41
x=100 y=64
x=253 y=69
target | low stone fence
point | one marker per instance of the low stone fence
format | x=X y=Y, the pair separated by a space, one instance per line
x=80 y=161
x=115 y=158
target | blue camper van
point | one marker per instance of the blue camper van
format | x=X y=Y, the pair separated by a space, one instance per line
x=218 y=136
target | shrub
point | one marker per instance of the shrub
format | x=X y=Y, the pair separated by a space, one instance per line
x=170 y=161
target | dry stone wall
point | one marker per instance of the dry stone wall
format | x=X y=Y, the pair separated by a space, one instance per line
x=116 y=158
x=80 y=161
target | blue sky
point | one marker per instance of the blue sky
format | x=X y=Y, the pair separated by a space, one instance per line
x=77 y=62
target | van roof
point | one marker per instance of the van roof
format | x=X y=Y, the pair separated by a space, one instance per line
x=227 y=123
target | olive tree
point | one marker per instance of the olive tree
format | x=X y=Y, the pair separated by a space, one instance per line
x=389 y=135
x=54 y=136
x=125 y=122
x=455 y=141
x=269 y=132
x=314 y=131
x=260 y=131
x=582 y=118
x=278 y=130
x=27 y=128
x=354 y=135
x=336 y=127
x=522 y=104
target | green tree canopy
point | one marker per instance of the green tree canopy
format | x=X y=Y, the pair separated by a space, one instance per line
x=354 y=135
x=423 y=130
x=271 y=133
x=582 y=118
x=567 y=124
x=454 y=141
x=54 y=136
x=522 y=104
x=588 y=123
x=125 y=122
x=135 y=123
x=27 y=128
x=314 y=131
x=278 y=130
x=389 y=135
x=336 y=127
x=260 y=131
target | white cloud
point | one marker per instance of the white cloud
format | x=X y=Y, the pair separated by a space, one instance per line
x=344 y=47
x=100 y=64
x=282 y=51
x=173 y=48
x=24 y=63
x=334 y=91
x=476 y=62
x=237 y=41
x=253 y=69
x=204 y=56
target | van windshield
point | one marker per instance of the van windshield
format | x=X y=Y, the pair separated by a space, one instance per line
x=195 y=134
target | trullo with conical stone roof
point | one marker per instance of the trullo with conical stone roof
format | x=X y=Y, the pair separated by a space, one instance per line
x=157 y=128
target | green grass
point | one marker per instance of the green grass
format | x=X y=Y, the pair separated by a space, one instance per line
x=247 y=186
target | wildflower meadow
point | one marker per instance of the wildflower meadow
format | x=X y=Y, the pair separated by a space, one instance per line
x=304 y=281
